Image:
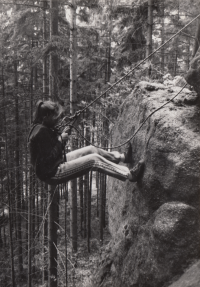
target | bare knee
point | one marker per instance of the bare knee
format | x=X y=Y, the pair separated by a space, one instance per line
x=93 y=149
x=95 y=157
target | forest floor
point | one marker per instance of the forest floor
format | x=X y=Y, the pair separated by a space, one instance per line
x=83 y=265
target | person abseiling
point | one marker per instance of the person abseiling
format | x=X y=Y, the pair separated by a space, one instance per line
x=47 y=146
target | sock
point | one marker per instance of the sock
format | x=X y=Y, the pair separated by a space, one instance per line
x=122 y=157
x=130 y=177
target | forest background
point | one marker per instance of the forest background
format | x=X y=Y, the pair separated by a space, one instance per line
x=71 y=52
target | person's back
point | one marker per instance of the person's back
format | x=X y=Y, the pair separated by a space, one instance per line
x=45 y=148
x=45 y=151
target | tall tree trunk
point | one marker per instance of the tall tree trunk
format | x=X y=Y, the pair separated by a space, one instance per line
x=8 y=189
x=26 y=184
x=176 y=45
x=188 y=54
x=106 y=67
x=73 y=213
x=45 y=232
x=44 y=64
x=101 y=187
x=53 y=69
x=52 y=235
x=45 y=186
x=97 y=187
x=162 y=8
x=30 y=197
x=17 y=175
x=29 y=230
x=53 y=94
x=149 y=32
x=101 y=208
x=109 y=43
x=1 y=190
x=89 y=213
x=86 y=185
x=66 y=243
x=73 y=108
x=81 y=144
x=105 y=144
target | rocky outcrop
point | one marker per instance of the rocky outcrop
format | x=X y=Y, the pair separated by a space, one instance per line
x=191 y=277
x=155 y=223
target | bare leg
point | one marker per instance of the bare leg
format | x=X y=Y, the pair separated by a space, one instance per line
x=114 y=156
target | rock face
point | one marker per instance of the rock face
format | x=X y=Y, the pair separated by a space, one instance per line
x=191 y=278
x=155 y=223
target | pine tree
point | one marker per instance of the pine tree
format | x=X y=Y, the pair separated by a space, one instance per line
x=53 y=190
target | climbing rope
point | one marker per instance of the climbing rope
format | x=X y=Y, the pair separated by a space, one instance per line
x=140 y=63
x=114 y=147
x=77 y=114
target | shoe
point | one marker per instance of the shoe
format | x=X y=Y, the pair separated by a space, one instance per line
x=137 y=171
x=128 y=153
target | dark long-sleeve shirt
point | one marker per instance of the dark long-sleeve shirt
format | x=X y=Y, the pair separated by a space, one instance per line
x=46 y=151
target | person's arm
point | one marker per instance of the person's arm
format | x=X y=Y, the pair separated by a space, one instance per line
x=63 y=137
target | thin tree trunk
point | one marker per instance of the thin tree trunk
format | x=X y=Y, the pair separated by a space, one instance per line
x=1 y=190
x=149 y=32
x=30 y=194
x=8 y=189
x=33 y=221
x=53 y=69
x=188 y=54
x=81 y=202
x=73 y=108
x=104 y=203
x=73 y=214
x=45 y=186
x=89 y=213
x=105 y=143
x=52 y=235
x=81 y=144
x=85 y=193
x=53 y=197
x=45 y=57
x=29 y=230
x=66 y=253
x=101 y=212
x=97 y=187
x=26 y=185
x=85 y=186
x=162 y=7
x=176 y=46
x=17 y=176
x=109 y=47
x=45 y=232
x=106 y=67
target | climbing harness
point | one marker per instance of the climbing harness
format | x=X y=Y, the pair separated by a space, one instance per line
x=76 y=115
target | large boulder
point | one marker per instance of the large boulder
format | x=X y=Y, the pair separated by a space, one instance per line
x=155 y=223
x=191 y=278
